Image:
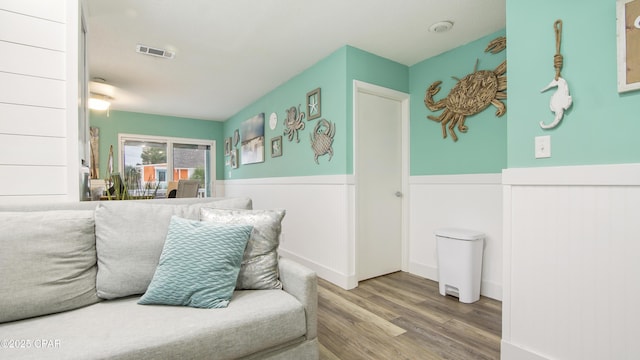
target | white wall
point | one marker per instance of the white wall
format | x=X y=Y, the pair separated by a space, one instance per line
x=318 y=226
x=571 y=268
x=471 y=201
x=318 y=229
x=38 y=100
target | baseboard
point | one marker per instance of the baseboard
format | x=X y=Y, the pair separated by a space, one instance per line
x=487 y=288
x=426 y=271
x=510 y=351
x=491 y=289
x=344 y=281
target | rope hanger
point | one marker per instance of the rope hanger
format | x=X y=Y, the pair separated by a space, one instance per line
x=557 y=58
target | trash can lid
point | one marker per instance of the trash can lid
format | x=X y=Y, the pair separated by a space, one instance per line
x=460 y=234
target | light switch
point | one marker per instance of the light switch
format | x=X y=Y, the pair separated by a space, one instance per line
x=543 y=146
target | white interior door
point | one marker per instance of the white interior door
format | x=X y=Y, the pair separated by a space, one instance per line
x=379 y=183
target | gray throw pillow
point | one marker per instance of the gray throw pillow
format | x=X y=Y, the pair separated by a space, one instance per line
x=199 y=264
x=47 y=262
x=259 y=268
x=129 y=240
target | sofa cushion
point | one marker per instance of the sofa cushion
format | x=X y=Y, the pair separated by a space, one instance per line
x=199 y=264
x=254 y=320
x=129 y=239
x=47 y=262
x=260 y=261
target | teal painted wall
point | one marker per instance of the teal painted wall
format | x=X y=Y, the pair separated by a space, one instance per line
x=334 y=75
x=483 y=149
x=297 y=157
x=373 y=69
x=602 y=126
x=123 y=122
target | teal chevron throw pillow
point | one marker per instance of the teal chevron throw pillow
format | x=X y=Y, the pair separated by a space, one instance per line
x=199 y=264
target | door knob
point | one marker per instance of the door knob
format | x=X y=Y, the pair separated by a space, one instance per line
x=398 y=194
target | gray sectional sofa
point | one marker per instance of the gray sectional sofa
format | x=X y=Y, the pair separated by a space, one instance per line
x=72 y=276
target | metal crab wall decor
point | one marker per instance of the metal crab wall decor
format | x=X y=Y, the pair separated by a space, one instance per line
x=293 y=123
x=472 y=94
x=322 y=139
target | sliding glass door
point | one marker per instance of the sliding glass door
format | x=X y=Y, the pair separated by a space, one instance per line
x=150 y=165
x=145 y=167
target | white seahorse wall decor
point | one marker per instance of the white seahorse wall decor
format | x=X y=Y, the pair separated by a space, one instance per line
x=560 y=101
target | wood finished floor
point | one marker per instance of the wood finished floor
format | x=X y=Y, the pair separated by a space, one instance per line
x=402 y=316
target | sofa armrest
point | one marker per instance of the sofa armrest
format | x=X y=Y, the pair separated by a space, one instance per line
x=302 y=283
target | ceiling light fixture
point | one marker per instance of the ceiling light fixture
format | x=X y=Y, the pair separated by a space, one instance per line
x=441 y=26
x=100 y=95
x=99 y=102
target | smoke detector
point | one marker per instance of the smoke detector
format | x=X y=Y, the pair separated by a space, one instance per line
x=441 y=26
x=148 y=50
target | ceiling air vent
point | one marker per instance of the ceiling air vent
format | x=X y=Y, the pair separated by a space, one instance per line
x=143 y=49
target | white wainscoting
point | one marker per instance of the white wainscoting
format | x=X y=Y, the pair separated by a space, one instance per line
x=571 y=265
x=317 y=229
x=471 y=201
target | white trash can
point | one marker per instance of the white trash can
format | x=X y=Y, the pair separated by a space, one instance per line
x=460 y=263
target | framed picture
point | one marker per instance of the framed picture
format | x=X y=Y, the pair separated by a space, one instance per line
x=276 y=146
x=236 y=137
x=628 y=27
x=313 y=104
x=94 y=142
x=234 y=159
x=227 y=146
x=252 y=139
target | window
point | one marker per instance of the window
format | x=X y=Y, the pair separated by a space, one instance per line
x=162 y=175
x=150 y=163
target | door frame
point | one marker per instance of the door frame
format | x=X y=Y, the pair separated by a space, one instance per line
x=404 y=99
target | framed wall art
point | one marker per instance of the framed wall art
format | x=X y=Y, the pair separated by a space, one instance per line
x=234 y=159
x=227 y=146
x=628 y=28
x=94 y=142
x=236 y=137
x=313 y=104
x=276 y=146
x=252 y=139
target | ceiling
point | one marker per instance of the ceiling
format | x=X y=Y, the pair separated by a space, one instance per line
x=229 y=53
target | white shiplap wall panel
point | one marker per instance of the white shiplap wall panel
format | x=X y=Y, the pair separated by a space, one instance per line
x=33 y=180
x=38 y=100
x=32 y=199
x=32 y=120
x=573 y=266
x=42 y=33
x=50 y=9
x=32 y=150
x=471 y=201
x=28 y=60
x=32 y=91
